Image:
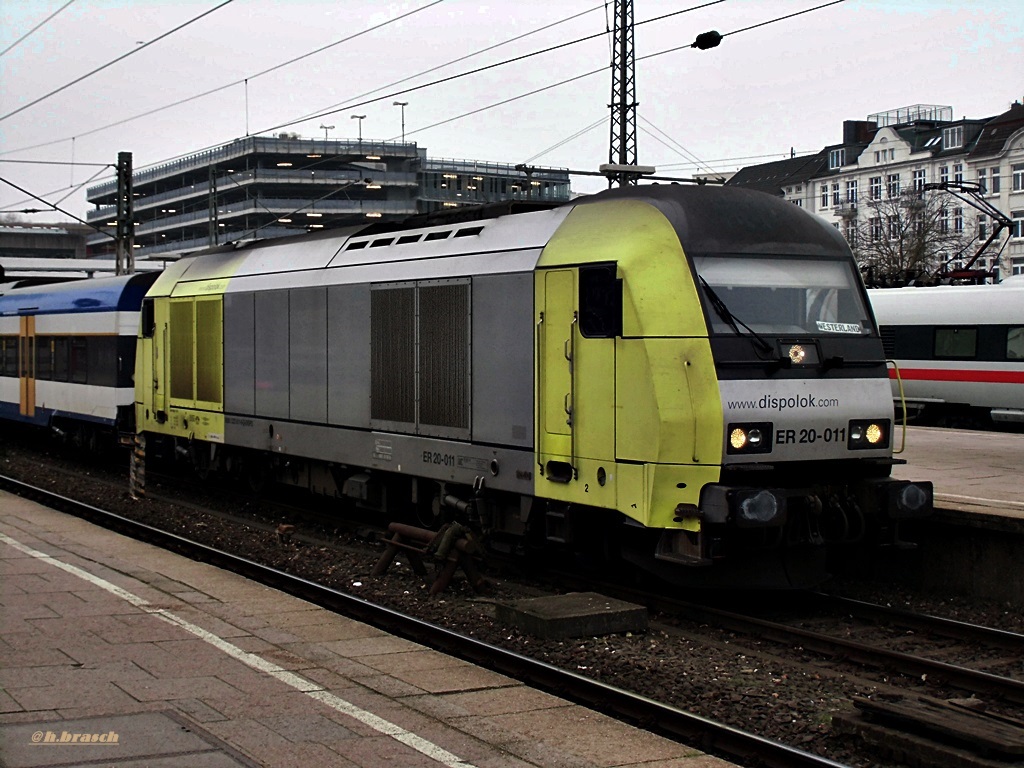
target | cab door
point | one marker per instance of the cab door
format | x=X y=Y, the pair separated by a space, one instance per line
x=27 y=366
x=576 y=374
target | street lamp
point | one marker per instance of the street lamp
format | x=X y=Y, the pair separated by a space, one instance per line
x=326 y=129
x=360 y=118
x=403 y=105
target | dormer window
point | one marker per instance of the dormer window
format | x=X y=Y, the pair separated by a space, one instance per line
x=953 y=137
x=836 y=159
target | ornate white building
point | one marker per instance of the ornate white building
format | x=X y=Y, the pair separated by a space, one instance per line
x=903 y=150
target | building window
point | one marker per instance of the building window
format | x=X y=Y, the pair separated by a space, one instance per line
x=823 y=188
x=876 y=187
x=798 y=202
x=1018 y=176
x=958 y=172
x=944 y=174
x=944 y=220
x=953 y=137
x=892 y=153
x=835 y=194
x=958 y=220
x=892 y=185
x=993 y=186
x=982 y=226
x=893 y=227
x=982 y=180
x=1017 y=229
x=851 y=233
x=876 y=229
x=851 y=192
x=919 y=179
x=878 y=156
x=836 y=158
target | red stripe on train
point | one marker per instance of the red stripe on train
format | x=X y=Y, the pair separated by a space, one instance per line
x=944 y=374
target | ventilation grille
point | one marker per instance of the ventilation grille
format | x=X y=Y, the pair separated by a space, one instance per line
x=444 y=355
x=393 y=355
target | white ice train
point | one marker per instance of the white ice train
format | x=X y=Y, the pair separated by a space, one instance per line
x=959 y=351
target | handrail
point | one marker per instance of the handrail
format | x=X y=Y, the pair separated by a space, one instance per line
x=903 y=403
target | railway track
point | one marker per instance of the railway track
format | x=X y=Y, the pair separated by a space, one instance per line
x=732 y=743
x=805 y=639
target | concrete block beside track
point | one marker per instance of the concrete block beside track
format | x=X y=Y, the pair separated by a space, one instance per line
x=577 y=614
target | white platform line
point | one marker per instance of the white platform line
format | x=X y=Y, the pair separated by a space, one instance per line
x=299 y=683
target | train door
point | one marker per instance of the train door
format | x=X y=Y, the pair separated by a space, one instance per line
x=576 y=376
x=27 y=366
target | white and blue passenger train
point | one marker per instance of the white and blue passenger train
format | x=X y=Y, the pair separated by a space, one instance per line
x=67 y=355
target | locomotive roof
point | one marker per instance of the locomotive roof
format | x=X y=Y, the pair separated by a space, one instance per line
x=708 y=219
x=101 y=294
x=716 y=219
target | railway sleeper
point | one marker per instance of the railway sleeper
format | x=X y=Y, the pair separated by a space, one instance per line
x=929 y=732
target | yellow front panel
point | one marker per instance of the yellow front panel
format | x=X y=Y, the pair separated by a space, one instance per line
x=646 y=413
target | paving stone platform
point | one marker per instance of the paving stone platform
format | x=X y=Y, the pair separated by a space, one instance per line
x=191 y=665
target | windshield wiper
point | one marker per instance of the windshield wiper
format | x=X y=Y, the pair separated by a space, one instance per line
x=730 y=318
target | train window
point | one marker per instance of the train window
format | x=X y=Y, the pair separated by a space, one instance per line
x=381 y=243
x=102 y=355
x=782 y=295
x=1015 y=343
x=956 y=342
x=79 y=360
x=61 y=355
x=148 y=319
x=356 y=246
x=437 y=235
x=600 y=302
x=8 y=356
x=406 y=239
x=44 y=358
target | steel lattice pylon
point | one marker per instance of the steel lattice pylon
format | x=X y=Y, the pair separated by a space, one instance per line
x=622 y=143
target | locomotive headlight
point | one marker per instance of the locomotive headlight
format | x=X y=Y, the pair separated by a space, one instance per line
x=868 y=433
x=797 y=354
x=750 y=438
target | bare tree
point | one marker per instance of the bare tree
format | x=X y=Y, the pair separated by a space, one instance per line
x=908 y=237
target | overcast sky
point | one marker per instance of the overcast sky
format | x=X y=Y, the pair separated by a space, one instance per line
x=762 y=92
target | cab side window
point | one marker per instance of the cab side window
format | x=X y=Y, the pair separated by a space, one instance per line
x=600 y=302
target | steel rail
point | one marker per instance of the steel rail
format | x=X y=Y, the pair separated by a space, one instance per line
x=694 y=730
x=1007 y=688
x=960 y=630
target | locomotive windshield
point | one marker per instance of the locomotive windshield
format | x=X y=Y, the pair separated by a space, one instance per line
x=783 y=295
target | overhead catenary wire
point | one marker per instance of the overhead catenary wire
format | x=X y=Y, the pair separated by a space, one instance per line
x=540 y=89
x=245 y=81
x=573 y=79
x=36 y=27
x=55 y=207
x=568 y=139
x=122 y=57
x=663 y=138
x=487 y=67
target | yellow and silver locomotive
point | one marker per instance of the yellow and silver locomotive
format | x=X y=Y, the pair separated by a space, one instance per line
x=689 y=378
